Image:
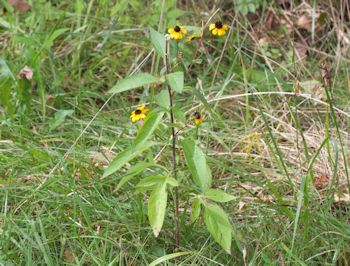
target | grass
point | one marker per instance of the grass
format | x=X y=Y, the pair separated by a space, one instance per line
x=277 y=143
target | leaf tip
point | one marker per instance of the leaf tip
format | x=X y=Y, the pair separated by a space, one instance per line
x=156 y=232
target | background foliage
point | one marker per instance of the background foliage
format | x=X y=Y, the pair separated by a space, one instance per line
x=270 y=136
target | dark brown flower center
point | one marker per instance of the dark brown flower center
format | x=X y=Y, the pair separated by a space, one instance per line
x=138 y=111
x=177 y=29
x=218 y=25
x=197 y=115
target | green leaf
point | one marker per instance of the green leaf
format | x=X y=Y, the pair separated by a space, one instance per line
x=54 y=35
x=218 y=195
x=163 y=99
x=301 y=196
x=196 y=210
x=168 y=257
x=197 y=164
x=135 y=170
x=5 y=71
x=176 y=81
x=135 y=81
x=218 y=226
x=172 y=181
x=158 y=41
x=150 y=183
x=174 y=14
x=156 y=208
x=7 y=81
x=59 y=118
x=150 y=124
x=124 y=157
x=179 y=114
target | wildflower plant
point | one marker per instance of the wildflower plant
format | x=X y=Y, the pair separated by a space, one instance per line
x=159 y=124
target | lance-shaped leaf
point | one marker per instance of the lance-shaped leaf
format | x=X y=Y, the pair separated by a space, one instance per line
x=140 y=144
x=124 y=157
x=156 y=208
x=158 y=41
x=176 y=81
x=197 y=164
x=150 y=183
x=218 y=226
x=151 y=122
x=167 y=257
x=133 y=82
x=132 y=172
x=218 y=195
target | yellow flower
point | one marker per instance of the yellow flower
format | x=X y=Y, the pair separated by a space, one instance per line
x=197 y=118
x=177 y=32
x=218 y=28
x=138 y=113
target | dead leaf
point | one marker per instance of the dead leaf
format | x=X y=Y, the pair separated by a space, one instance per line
x=321 y=181
x=244 y=253
x=30 y=179
x=345 y=198
x=68 y=255
x=263 y=197
x=304 y=22
x=19 y=5
x=101 y=159
x=271 y=20
x=264 y=41
x=300 y=50
x=313 y=87
x=240 y=206
x=77 y=175
x=297 y=88
x=26 y=72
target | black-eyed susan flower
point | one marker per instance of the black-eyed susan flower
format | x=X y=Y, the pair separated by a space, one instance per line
x=218 y=28
x=138 y=113
x=197 y=118
x=177 y=32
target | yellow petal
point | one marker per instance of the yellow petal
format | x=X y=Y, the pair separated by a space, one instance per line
x=183 y=30
x=215 y=31
x=211 y=26
x=171 y=30
x=221 y=32
x=198 y=121
x=225 y=27
x=178 y=36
